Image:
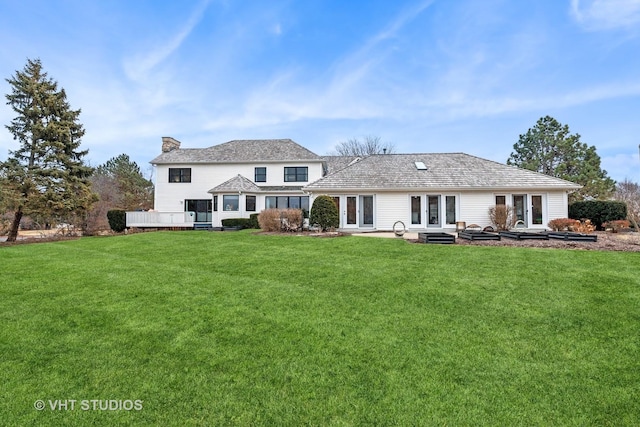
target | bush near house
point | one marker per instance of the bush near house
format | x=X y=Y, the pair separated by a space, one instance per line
x=292 y=219
x=269 y=220
x=598 y=211
x=242 y=223
x=584 y=226
x=324 y=213
x=117 y=220
x=568 y=224
x=254 y=221
x=616 y=225
x=562 y=224
x=280 y=219
x=501 y=216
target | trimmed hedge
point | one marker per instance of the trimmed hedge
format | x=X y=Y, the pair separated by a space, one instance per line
x=598 y=211
x=253 y=223
x=324 y=213
x=240 y=222
x=117 y=220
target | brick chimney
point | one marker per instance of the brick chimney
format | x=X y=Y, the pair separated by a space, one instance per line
x=169 y=144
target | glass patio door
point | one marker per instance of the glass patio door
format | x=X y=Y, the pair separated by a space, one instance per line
x=366 y=211
x=433 y=214
x=520 y=208
x=536 y=210
x=350 y=216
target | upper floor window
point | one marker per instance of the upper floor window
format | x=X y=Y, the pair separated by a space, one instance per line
x=296 y=174
x=261 y=175
x=179 y=174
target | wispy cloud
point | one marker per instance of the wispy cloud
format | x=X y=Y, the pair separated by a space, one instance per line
x=482 y=107
x=606 y=14
x=342 y=92
x=137 y=68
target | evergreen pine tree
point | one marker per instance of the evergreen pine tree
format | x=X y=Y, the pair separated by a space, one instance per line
x=133 y=190
x=46 y=176
x=550 y=149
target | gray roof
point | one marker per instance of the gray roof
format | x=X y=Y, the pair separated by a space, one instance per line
x=455 y=171
x=235 y=184
x=243 y=184
x=336 y=163
x=241 y=151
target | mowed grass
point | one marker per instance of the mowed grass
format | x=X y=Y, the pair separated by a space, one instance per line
x=249 y=329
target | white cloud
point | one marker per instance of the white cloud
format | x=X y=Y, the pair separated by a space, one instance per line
x=137 y=68
x=622 y=165
x=343 y=92
x=562 y=100
x=606 y=14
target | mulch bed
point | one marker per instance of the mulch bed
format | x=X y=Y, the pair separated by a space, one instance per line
x=627 y=242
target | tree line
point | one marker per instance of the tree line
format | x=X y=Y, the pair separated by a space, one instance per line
x=48 y=180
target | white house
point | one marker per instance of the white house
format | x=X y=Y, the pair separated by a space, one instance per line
x=424 y=191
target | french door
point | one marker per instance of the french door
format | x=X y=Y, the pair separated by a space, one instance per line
x=356 y=211
x=529 y=209
x=350 y=214
x=520 y=208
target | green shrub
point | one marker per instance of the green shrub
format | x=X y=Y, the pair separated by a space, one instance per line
x=598 y=211
x=253 y=223
x=238 y=222
x=324 y=213
x=117 y=220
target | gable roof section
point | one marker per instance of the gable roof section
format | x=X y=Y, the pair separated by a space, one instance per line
x=443 y=171
x=243 y=184
x=241 y=151
x=236 y=184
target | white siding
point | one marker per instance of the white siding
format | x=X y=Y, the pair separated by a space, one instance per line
x=474 y=207
x=558 y=205
x=392 y=207
x=170 y=196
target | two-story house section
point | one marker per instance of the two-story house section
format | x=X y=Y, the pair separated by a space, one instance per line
x=233 y=179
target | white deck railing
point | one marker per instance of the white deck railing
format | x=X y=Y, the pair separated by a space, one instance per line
x=160 y=219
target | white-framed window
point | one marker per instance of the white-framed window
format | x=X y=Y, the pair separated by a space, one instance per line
x=231 y=202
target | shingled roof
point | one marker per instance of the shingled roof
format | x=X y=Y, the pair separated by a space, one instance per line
x=336 y=163
x=455 y=171
x=235 y=184
x=240 y=151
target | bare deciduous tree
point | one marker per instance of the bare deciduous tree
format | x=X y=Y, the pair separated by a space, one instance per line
x=367 y=146
x=629 y=193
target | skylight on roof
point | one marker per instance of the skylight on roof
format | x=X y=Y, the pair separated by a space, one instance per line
x=421 y=166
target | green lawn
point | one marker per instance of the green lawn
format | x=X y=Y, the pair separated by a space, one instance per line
x=247 y=329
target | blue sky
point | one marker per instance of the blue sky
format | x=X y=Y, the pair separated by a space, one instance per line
x=427 y=76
